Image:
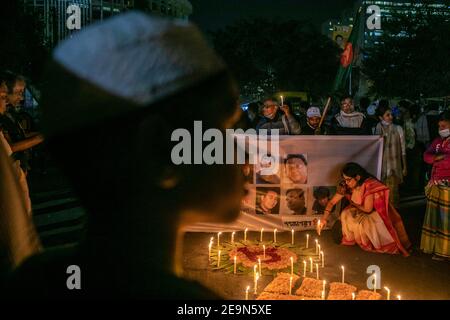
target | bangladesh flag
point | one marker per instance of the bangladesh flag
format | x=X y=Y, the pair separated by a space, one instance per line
x=347 y=56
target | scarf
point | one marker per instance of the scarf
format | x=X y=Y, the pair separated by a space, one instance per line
x=350 y=120
x=392 y=151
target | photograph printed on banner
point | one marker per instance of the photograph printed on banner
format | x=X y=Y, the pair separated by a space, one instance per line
x=267 y=200
x=248 y=201
x=295 y=169
x=266 y=161
x=294 y=200
x=322 y=195
x=247 y=172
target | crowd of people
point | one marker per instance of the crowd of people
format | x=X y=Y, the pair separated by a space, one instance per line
x=414 y=138
x=111 y=140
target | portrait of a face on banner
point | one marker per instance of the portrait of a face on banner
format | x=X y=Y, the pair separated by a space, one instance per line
x=291 y=189
x=303 y=180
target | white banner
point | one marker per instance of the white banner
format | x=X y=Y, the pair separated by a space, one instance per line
x=306 y=177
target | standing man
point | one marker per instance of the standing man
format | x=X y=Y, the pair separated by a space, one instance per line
x=273 y=118
x=312 y=122
x=348 y=121
x=20 y=141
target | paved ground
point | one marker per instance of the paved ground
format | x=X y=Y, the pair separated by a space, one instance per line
x=415 y=277
x=60 y=222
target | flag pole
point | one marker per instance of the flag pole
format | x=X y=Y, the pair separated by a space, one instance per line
x=325 y=111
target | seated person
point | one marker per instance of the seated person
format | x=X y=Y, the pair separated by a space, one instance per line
x=370 y=221
x=295 y=200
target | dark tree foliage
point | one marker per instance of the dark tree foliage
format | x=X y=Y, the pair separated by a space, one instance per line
x=413 y=56
x=22 y=47
x=267 y=56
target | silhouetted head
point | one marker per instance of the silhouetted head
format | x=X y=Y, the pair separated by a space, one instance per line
x=110 y=117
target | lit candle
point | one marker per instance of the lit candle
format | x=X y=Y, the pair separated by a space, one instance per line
x=304 y=268
x=262 y=230
x=259 y=264
x=374 y=283
x=310 y=265
x=256 y=282
x=317 y=271
x=343 y=274
x=323 y=259
x=307 y=241
x=317 y=246
x=246 y=292
x=399 y=297
x=235 y=260
x=232 y=237
x=388 y=293
x=275 y=236
x=318 y=227
x=254 y=270
x=318 y=252
x=218 y=258
x=282 y=101
x=323 y=294
x=323 y=285
x=353 y=296
x=209 y=247
x=292 y=231
x=245 y=234
x=218 y=239
x=290 y=286
x=292 y=266
x=264 y=251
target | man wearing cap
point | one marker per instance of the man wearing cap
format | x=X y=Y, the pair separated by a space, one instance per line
x=132 y=80
x=311 y=124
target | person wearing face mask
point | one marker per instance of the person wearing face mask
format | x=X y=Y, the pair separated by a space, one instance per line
x=272 y=118
x=394 y=151
x=436 y=227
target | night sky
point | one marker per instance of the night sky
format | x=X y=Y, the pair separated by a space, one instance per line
x=215 y=14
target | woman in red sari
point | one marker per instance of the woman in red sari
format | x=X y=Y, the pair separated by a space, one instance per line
x=370 y=220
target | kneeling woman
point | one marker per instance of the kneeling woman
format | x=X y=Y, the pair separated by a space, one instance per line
x=369 y=221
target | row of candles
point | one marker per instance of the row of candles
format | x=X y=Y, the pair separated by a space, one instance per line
x=260 y=239
x=257 y=275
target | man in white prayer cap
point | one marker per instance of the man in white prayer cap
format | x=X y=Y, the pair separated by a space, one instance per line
x=116 y=92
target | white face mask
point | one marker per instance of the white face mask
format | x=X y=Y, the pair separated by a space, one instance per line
x=444 y=133
x=384 y=123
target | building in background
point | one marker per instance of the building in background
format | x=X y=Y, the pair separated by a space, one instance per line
x=338 y=29
x=371 y=38
x=53 y=13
